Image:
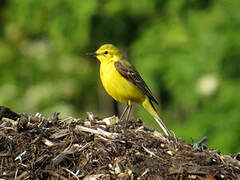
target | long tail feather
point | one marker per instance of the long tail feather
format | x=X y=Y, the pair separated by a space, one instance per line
x=149 y=107
x=162 y=125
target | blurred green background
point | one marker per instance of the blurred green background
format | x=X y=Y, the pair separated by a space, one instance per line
x=187 y=51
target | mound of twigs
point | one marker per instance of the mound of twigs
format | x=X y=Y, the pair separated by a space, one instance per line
x=36 y=147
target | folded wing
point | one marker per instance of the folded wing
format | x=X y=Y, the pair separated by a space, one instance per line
x=130 y=73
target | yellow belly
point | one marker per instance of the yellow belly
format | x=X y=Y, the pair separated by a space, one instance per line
x=117 y=86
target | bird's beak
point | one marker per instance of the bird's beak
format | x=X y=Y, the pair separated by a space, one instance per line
x=92 y=54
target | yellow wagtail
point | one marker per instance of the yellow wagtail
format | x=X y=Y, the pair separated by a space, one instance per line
x=122 y=81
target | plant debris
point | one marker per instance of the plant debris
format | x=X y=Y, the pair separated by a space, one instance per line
x=36 y=147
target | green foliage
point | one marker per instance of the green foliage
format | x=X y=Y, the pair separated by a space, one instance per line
x=187 y=52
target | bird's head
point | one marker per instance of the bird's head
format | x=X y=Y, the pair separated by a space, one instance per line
x=107 y=52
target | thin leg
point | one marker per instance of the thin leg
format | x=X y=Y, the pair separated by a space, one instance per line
x=124 y=112
x=129 y=110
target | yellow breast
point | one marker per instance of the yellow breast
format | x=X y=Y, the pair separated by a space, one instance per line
x=117 y=86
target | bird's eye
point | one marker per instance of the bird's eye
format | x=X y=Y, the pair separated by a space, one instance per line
x=106 y=52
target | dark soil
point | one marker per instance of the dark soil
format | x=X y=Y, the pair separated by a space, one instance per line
x=35 y=147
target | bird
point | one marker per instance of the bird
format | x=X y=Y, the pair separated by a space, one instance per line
x=123 y=83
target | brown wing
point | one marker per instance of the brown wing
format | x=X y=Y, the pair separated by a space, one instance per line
x=130 y=73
